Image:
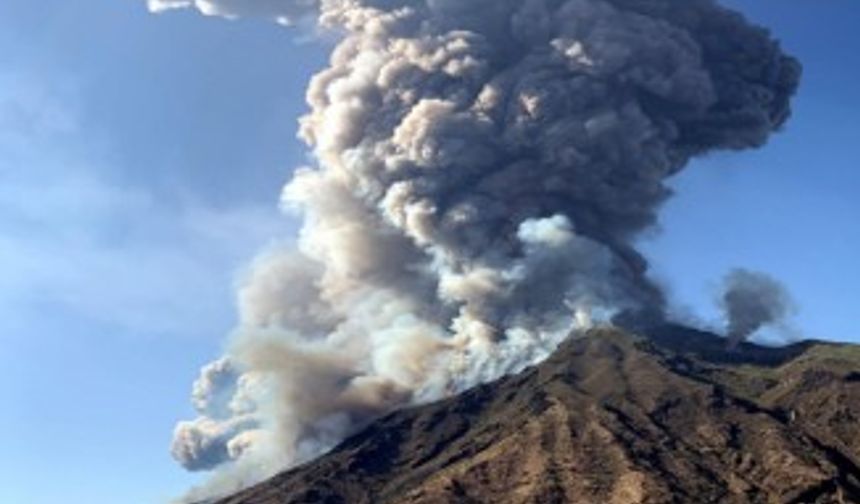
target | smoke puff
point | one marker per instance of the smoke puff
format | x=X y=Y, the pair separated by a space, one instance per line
x=206 y=443
x=284 y=12
x=214 y=389
x=751 y=301
x=482 y=169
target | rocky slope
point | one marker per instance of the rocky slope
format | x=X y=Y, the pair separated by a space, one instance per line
x=617 y=419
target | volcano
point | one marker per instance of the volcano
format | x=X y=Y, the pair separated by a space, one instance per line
x=669 y=416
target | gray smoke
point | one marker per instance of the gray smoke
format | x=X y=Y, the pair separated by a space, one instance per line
x=482 y=167
x=751 y=301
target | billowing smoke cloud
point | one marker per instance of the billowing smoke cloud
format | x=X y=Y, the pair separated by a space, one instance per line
x=751 y=301
x=213 y=437
x=482 y=167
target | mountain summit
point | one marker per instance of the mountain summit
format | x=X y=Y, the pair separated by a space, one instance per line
x=615 y=418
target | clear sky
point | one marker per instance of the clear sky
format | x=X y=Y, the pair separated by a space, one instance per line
x=141 y=159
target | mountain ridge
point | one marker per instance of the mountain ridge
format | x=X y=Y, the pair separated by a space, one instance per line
x=612 y=417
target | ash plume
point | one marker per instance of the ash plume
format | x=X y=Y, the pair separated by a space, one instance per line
x=752 y=300
x=481 y=169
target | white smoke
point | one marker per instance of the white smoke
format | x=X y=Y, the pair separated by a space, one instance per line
x=283 y=11
x=482 y=166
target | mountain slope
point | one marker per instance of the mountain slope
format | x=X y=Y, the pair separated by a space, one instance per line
x=618 y=419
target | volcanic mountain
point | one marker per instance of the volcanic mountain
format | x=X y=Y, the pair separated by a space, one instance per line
x=612 y=417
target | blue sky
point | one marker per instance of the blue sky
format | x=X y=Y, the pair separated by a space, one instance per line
x=140 y=163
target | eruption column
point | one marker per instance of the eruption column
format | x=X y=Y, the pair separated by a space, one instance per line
x=482 y=167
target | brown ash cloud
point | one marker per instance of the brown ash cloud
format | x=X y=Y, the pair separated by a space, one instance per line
x=481 y=170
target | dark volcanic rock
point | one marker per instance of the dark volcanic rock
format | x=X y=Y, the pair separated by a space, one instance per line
x=612 y=418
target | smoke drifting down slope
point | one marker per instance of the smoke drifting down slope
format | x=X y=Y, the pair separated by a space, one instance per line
x=482 y=167
x=612 y=418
